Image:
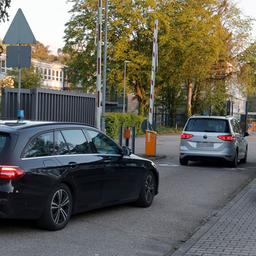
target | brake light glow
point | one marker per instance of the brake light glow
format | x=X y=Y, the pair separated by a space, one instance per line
x=10 y=172
x=226 y=137
x=186 y=136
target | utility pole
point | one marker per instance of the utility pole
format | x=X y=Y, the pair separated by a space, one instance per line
x=99 y=70
x=153 y=74
x=124 y=89
x=105 y=67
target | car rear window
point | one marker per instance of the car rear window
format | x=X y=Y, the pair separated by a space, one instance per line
x=3 y=140
x=207 y=125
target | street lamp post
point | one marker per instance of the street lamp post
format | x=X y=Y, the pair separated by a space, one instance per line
x=105 y=68
x=99 y=70
x=124 y=92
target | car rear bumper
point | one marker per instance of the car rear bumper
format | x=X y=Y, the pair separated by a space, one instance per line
x=15 y=205
x=228 y=156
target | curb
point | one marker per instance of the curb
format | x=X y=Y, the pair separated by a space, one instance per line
x=211 y=223
x=153 y=158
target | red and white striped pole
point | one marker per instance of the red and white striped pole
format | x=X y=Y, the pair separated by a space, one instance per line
x=99 y=68
x=153 y=74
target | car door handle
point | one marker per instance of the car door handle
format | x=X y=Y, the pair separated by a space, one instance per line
x=72 y=165
x=107 y=160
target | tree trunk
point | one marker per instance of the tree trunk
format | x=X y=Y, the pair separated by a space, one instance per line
x=189 y=98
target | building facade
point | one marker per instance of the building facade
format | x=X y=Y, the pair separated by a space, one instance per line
x=53 y=74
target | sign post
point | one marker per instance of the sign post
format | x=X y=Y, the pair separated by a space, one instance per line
x=19 y=56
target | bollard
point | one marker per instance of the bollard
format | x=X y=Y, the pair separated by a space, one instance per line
x=127 y=136
x=133 y=139
x=121 y=136
x=150 y=143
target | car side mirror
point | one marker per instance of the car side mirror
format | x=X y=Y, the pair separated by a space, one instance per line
x=246 y=134
x=126 y=151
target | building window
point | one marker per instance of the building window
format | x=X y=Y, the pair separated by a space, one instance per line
x=49 y=74
x=57 y=75
x=45 y=74
x=61 y=75
x=53 y=75
x=2 y=65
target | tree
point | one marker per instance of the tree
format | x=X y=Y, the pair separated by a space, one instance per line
x=130 y=38
x=7 y=81
x=247 y=69
x=191 y=41
x=42 y=52
x=194 y=36
x=4 y=5
x=30 y=78
x=201 y=35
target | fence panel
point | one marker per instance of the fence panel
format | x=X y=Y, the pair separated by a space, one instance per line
x=48 y=105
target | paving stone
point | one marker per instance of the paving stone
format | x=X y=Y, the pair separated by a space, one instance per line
x=232 y=232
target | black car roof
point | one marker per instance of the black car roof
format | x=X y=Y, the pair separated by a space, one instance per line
x=14 y=125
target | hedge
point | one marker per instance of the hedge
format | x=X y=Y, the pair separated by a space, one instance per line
x=113 y=122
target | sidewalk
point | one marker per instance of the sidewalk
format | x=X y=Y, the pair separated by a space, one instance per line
x=231 y=232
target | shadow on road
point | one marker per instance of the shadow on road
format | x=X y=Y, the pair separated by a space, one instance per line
x=218 y=163
x=20 y=225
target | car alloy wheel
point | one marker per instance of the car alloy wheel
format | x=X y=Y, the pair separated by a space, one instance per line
x=148 y=190
x=60 y=206
x=58 y=209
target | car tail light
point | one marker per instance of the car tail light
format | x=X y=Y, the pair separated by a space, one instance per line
x=10 y=172
x=226 y=137
x=186 y=136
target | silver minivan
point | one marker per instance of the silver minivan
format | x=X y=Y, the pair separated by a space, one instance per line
x=213 y=137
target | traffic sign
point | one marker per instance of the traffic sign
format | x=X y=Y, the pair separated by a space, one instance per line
x=19 y=31
x=18 y=57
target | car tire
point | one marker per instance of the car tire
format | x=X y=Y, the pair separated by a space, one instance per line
x=183 y=161
x=244 y=160
x=58 y=209
x=234 y=162
x=148 y=190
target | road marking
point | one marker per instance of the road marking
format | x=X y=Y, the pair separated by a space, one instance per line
x=168 y=165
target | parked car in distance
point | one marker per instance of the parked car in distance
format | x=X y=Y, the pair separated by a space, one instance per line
x=213 y=137
x=51 y=170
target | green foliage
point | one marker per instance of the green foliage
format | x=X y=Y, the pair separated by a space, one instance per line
x=30 y=78
x=4 y=5
x=42 y=52
x=247 y=77
x=194 y=35
x=129 y=38
x=114 y=121
x=168 y=130
x=210 y=96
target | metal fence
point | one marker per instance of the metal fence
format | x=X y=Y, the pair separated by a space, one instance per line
x=48 y=105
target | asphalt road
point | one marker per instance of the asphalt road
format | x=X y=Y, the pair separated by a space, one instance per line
x=188 y=197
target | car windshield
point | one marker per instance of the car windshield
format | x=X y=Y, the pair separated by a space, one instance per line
x=207 y=125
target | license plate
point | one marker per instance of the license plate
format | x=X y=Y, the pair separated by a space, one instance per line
x=204 y=144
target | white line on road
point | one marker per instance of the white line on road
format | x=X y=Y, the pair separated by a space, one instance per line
x=168 y=165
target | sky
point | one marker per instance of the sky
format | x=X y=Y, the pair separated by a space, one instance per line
x=47 y=18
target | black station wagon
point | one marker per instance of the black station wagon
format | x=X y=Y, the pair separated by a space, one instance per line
x=51 y=170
